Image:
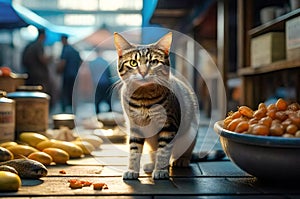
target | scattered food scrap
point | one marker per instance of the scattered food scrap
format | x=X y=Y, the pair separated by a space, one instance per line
x=78 y=184
x=62 y=172
x=100 y=186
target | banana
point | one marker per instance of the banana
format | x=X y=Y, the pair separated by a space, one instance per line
x=31 y=138
x=21 y=150
x=86 y=147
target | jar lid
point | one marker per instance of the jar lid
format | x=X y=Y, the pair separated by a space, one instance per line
x=28 y=94
x=3 y=98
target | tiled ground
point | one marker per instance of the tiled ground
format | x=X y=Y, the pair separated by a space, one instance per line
x=211 y=180
x=203 y=180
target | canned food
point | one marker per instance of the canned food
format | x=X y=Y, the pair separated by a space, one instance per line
x=32 y=109
x=7 y=118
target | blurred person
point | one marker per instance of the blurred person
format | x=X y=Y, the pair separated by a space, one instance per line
x=234 y=98
x=234 y=94
x=68 y=66
x=101 y=77
x=35 y=63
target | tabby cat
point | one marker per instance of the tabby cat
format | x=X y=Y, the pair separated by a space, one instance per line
x=159 y=108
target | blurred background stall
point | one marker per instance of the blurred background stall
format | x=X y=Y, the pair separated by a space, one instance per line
x=212 y=24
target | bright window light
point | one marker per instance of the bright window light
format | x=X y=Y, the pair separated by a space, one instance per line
x=107 y=5
x=80 y=19
x=78 y=4
x=113 y=5
x=129 y=19
x=29 y=33
x=32 y=30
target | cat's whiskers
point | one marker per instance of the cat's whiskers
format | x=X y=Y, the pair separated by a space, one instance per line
x=116 y=86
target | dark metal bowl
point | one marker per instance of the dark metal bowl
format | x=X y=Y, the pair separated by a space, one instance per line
x=265 y=157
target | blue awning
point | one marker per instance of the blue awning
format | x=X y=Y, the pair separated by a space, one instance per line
x=9 y=18
x=13 y=16
x=155 y=31
x=53 y=32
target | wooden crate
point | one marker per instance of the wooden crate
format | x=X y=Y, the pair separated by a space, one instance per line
x=293 y=38
x=267 y=48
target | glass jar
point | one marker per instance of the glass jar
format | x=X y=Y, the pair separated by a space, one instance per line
x=32 y=109
x=7 y=118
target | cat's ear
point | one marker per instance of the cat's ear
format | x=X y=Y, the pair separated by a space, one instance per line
x=121 y=43
x=165 y=43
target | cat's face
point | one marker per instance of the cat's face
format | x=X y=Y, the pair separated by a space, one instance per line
x=143 y=65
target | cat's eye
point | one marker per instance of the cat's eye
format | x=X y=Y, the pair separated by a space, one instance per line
x=154 y=62
x=133 y=63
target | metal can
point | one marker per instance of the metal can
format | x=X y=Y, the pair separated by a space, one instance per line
x=7 y=118
x=32 y=109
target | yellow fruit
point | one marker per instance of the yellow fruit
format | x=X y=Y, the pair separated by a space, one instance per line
x=59 y=156
x=86 y=147
x=41 y=157
x=32 y=138
x=8 y=144
x=92 y=139
x=9 y=181
x=5 y=154
x=21 y=150
x=45 y=144
x=72 y=149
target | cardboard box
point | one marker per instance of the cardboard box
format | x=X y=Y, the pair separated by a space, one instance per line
x=267 y=48
x=293 y=38
x=10 y=84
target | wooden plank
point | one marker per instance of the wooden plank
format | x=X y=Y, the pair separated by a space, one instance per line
x=223 y=56
x=275 y=24
x=276 y=66
x=244 y=21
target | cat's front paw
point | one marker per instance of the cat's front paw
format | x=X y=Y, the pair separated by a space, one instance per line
x=148 y=168
x=160 y=174
x=130 y=175
x=181 y=162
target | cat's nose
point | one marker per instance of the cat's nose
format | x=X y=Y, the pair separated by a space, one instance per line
x=143 y=70
x=143 y=74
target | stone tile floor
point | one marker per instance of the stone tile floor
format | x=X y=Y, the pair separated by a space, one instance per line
x=220 y=179
x=207 y=179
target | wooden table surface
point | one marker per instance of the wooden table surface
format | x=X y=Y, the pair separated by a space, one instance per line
x=207 y=179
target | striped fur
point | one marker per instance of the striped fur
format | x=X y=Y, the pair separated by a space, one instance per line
x=152 y=102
